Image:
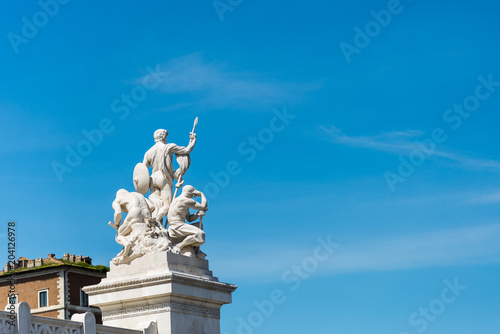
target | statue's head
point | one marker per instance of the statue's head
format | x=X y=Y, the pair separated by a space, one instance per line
x=160 y=135
x=121 y=193
x=188 y=191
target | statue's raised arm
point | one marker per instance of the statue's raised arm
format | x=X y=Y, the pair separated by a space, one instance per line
x=181 y=150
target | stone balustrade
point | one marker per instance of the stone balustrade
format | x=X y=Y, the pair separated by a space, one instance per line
x=84 y=323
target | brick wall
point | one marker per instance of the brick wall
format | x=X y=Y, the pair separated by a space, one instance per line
x=27 y=288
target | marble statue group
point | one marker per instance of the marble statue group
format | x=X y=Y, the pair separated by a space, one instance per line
x=142 y=231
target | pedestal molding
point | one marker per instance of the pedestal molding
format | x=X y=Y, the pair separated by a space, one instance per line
x=165 y=278
x=160 y=308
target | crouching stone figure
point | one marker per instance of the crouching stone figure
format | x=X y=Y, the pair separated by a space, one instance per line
x=187 y=238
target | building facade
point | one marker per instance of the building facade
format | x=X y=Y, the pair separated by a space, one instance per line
x=52 y=287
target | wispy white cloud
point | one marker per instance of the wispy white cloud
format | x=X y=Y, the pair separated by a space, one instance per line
x=492 y=197
x=456 y=247
x=212 y=85
x=404 y=142
x=463 y=246
x=394 y=142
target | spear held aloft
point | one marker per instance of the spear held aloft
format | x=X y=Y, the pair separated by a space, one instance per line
x=194 y=124
x=179 y=181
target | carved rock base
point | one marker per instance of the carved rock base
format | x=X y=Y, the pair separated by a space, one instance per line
x=178 y=292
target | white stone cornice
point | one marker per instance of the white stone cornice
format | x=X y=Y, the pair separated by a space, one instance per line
x=153 y=280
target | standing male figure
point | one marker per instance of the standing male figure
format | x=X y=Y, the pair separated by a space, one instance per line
x=159 y=157
x=182 y=234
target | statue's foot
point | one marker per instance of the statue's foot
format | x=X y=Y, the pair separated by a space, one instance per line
x=187 y=251
x=176 y=250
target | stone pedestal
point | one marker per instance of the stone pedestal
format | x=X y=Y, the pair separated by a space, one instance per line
x=178 y=292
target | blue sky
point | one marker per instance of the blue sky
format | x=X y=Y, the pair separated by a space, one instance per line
x=368 y=126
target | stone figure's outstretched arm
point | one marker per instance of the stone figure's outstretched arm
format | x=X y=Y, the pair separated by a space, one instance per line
x=203 y=204
x=201 y=207
x=118 y=213
x=185 y=150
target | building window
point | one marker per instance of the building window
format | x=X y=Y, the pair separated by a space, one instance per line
x=43 y=298
x=84 y=299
